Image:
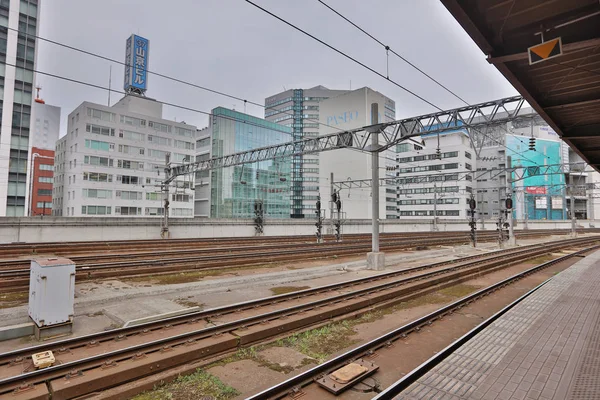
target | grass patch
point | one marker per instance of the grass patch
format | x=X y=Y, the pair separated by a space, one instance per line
x=441 y=296
x=542 y=259
x=322 y=342
x=192 y=276
x=191 y=387
x=13 y=299
x=287 y=289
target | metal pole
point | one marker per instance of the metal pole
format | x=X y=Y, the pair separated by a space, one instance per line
x=511 y=233
x=331 y=205
x=375 y=178
x=573 y=219
x=165 y=189
x=435 y=225
x=375 y=259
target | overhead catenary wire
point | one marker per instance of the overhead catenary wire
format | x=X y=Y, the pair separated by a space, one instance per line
x=356 y=61
x=345 y=55
x=389 y=49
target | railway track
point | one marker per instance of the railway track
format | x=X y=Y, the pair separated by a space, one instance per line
x=14 y=273
x=88 y=363
x=103 y=247
x=316 y=382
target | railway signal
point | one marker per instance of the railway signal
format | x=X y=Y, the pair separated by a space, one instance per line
x=319 y=223
x=338 y=222
x=472 y=223
x=258 y=217
x=532 y=143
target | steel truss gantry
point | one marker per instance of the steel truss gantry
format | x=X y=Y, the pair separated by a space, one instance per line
x=519 y=173
x=486 y=114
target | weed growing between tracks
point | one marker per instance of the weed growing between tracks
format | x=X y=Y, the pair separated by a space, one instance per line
x=13 y=299
x=191 y=387
x=287 y=289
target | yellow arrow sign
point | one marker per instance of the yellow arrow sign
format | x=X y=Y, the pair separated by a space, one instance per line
x=545 y=51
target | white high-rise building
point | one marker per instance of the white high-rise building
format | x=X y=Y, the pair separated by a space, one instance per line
x=299 y=110
x=348 y=111
x=16 y=49
x=112 y=160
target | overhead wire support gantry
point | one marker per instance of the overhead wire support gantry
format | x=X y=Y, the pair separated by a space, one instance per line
x=390 y=134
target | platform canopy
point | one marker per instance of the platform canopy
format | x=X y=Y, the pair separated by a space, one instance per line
x=561 y=83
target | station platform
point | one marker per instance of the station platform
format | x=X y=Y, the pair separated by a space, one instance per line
x=546 y=347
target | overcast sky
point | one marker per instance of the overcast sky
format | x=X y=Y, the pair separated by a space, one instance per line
x=231 y=46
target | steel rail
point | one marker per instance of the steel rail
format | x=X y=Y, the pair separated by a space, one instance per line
x=322 y=252
x=250 y=304
x=296 y=382
x=428 y=365
x=309 y=248
x=184 y=338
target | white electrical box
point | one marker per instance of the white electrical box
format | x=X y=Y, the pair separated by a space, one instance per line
x=51 y=291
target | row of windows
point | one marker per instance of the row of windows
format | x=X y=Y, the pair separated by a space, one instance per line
x=97 y=177
x=448 y=189
x=95 y=210
x=44 y=192
x=450 y=154
x=127 y=164
x=127 y=195
x=46 y=167
x=44 y=204
x=415 y=202
x=99 y=145
x=97 y=193
x=123 y=210
x=437 y=167
x=423 y=213
x=45 y=179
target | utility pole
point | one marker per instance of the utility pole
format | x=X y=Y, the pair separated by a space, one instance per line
x=435 y=216
x=509 y=203
x=573 y=218
x=375 y=259
x=164 y=233
x=331 y=205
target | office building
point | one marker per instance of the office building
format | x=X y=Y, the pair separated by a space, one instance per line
x=41 y=181
x=347 y=111
x=232 y=192
x=298 y=109
x=426 y=184
x=435 y=183
x=112 y=161
x=45 y=129
x=17 y=88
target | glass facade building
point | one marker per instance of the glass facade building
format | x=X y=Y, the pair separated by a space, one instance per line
x=16 y=87
x=234 y=190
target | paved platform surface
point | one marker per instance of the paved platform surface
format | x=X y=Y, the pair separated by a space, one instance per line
x=546 y=347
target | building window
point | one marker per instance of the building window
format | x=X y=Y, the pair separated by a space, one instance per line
x=96 y=193
x=102 y=115
x=45 y=179
x=95 y=210
x=133 y=121
x=125 y=195
x=100 y=130
x=128 y=180
x=46 y=167
x=44 y=192
x=128 y=210
x=159 y=127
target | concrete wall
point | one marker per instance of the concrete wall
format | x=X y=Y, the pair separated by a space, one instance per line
x=59 y=229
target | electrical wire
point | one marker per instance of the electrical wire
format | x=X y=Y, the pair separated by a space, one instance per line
x=168 y=77
x=344 y=54
x=356 y=61
x=388 y=48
